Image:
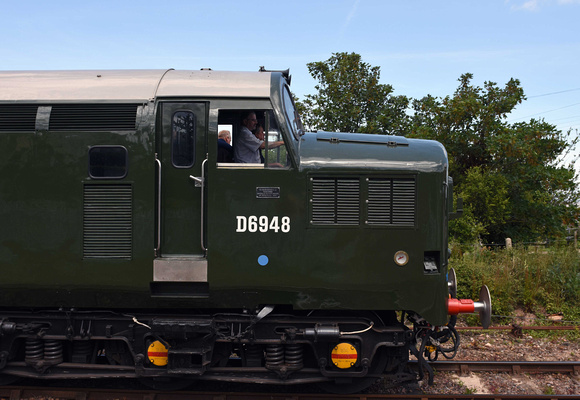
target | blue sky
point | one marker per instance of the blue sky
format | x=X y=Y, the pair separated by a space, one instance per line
x=422 y=47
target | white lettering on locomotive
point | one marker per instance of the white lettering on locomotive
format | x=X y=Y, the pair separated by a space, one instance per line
x=262 y=224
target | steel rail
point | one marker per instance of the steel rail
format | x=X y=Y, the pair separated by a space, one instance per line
x=17 y=393
x=516 y=327
x=515 y=367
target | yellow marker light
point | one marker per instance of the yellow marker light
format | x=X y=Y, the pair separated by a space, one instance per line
x=157 y=354
x=344 y=355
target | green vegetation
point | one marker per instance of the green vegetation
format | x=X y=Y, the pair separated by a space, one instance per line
x=509 y=175
x=539 y=280
x=549 y=390
x=351 y=99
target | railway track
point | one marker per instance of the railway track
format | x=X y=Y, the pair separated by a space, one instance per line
x=18 y=393
x=515 y=367
x=518 y=328
x=457 y=366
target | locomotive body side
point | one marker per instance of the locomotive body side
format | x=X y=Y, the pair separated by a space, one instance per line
x=125 y=242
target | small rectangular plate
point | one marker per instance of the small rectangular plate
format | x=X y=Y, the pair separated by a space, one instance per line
x=180 y=269
x=267 y=192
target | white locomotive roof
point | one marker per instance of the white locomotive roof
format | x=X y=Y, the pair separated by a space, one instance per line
x=129 y=85
x=208 y=83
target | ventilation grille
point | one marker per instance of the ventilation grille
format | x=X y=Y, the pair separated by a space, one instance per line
x=338 y=201
x=107 y=221
x=18 y=117
x=335 y=201
x=391 y=202
x=93 y=117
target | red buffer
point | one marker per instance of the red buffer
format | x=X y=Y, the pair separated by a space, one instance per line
x=463 y=306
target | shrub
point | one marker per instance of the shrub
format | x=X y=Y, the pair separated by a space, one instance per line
x=542 y=281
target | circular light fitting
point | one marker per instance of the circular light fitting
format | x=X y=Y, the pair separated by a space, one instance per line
x=401 y=258
x=344 y=355
x=157 y=353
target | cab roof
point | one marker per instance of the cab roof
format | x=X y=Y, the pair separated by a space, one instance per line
x=129 y=85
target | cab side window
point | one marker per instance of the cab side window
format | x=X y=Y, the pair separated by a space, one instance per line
x=277 y=156
x=108 y=162
x=183 y=126
x=255 y=140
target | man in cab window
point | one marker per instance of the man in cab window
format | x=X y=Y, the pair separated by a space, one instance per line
x=247 y=146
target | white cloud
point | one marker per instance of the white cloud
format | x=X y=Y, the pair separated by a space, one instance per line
x=535 y=5
x=531 y=5
x=350 y=15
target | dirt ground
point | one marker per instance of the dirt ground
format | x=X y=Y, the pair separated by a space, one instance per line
x=502 y=345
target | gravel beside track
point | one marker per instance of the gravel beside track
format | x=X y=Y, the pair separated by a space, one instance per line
x=503 y=346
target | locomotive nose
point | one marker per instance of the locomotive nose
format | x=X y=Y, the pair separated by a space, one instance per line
x=463 y=306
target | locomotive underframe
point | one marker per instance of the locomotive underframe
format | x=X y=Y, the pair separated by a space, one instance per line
x=235 y=347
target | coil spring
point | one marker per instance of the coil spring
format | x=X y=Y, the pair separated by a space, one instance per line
x=53 y=351
x=274 y=355
x=294 y=355
x=34 y=350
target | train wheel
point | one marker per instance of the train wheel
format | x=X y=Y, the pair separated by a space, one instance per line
x=358 y=384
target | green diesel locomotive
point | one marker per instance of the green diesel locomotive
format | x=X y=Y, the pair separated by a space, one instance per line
x=129 y=249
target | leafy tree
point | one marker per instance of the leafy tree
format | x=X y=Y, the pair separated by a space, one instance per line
x=466 y=229
x=485 y=195
x=351 y=99
x=521 y=160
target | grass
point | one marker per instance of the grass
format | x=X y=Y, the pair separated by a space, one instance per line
x=540 y=281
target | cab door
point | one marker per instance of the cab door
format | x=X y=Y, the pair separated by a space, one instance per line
x=180 y=266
